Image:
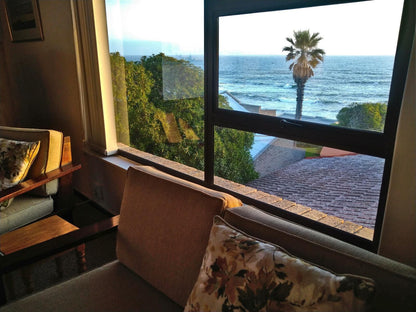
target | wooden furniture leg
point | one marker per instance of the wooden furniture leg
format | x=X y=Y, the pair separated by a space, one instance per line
x=82 y=262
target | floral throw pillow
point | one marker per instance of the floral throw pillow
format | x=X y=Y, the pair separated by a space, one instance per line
x=16 y=157
x=240 y=273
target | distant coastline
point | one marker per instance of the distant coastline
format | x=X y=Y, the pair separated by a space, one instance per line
x=243 y=107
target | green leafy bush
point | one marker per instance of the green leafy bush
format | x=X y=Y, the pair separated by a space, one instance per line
x=165 y=104
x=366 y=116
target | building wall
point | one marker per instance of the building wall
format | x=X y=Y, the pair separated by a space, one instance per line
x=43 y=75
x=39 y=82
x=6 y=112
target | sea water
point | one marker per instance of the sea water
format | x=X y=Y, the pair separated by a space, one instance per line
x=338 y=81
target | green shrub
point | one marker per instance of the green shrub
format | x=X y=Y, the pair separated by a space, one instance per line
x=366 y=116
x=163 y=97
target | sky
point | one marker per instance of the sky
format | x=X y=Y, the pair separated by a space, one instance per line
x=142 y=27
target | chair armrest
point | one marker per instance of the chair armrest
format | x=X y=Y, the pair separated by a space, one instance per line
x=57 y=245
x=31 y=184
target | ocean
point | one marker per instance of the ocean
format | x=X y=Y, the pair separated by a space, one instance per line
x=339 y=81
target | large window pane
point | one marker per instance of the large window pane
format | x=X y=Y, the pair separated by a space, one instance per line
x=332 y=186
x=313 y=64
x=156 y=51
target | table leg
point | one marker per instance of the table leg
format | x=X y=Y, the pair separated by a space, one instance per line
x=82 y=262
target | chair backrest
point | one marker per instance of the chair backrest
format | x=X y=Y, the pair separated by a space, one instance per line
x=49 y=155
x=164 y=228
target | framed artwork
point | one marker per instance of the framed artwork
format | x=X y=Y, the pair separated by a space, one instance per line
x=23 y=19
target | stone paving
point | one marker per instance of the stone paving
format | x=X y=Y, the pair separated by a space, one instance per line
x=347 y=187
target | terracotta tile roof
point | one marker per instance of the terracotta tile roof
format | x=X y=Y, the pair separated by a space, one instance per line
x=347 y=187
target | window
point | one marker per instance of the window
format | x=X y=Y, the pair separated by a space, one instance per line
x=157 y=65
x=304 y=81
x=232 y=100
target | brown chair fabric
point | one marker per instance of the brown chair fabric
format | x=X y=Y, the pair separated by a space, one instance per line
x=164 y=228
x=111 y=287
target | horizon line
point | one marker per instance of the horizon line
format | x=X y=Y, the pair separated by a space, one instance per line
x=245 y=55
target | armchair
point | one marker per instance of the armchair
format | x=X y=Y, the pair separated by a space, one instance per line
x=32 y=198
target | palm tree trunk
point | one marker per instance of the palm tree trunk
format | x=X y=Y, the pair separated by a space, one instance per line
x=299 y=97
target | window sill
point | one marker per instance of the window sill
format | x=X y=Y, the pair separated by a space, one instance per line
x=129 y=156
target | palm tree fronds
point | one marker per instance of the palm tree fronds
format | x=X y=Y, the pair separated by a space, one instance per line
x=304 y=51
x=318 y=53
x=303 y=47
x=290 y=40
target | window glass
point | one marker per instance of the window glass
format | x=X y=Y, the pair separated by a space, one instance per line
x=156 y=51
x=332 y=186
x=312 y=64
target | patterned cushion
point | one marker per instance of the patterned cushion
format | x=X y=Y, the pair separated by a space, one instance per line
x=241 y=273
x=16 y=157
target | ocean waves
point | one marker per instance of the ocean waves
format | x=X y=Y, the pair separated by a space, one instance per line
x=339 y=81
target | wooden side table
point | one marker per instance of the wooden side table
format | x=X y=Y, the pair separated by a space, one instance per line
x=35 y=233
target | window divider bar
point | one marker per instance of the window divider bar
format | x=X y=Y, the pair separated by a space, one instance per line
x=210 y=89
x=359 y=141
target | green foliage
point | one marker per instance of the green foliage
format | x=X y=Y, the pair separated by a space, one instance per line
x=367 y=116
x=232 y=155
x=305 y=54
x=120 y=98
x=145 y=131
x=166 y=116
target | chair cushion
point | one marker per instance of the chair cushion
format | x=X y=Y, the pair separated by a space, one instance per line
x=243 y=273
x=25 y=209
x=112 y=287
x=49 y=156
x=164 y=228
x=16 y=157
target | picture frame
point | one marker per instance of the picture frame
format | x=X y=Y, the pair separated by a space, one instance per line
x=23 y=20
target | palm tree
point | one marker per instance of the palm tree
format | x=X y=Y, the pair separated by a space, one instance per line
x=303 y=50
